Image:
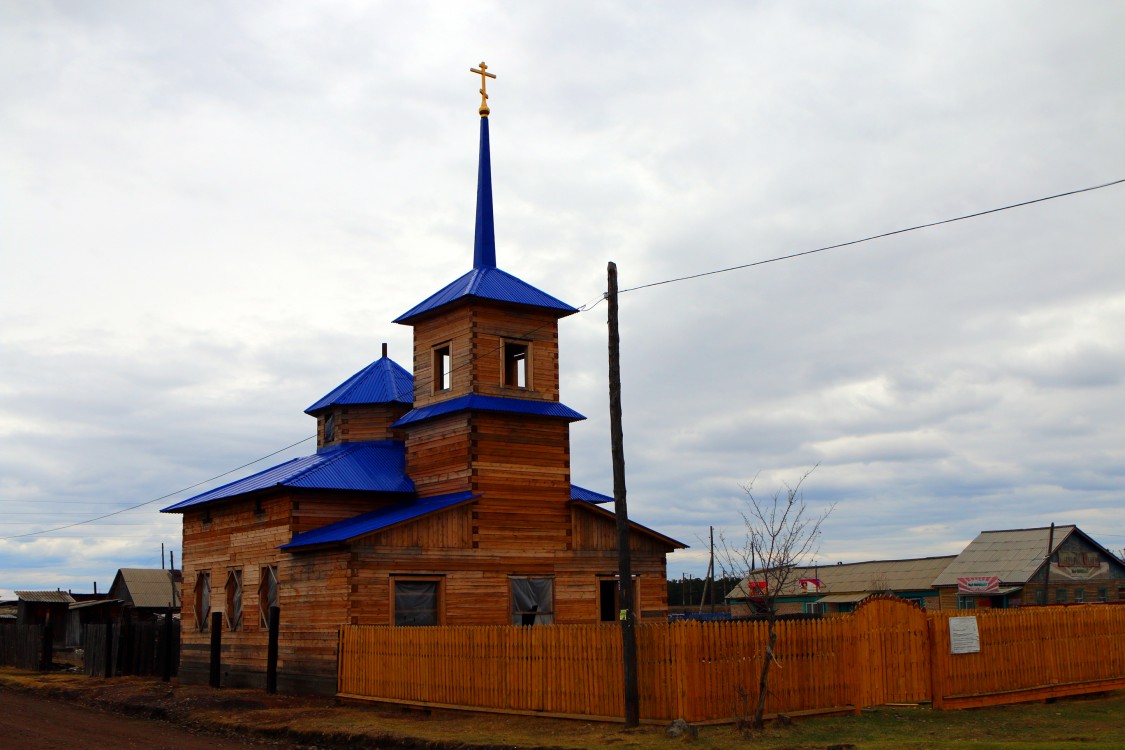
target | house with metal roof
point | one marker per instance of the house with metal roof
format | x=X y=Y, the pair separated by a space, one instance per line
x=437 y=495
x=46 y=608
x=1020 y=567
x=145 y=592
x=830 y=589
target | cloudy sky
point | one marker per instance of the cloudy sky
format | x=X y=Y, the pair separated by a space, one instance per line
x=211 y=211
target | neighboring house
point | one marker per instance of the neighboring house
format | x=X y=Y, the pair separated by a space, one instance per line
x=830 y=589
x=438 y=497
x=146 y=592
x=1009 y=569
x=46 y=608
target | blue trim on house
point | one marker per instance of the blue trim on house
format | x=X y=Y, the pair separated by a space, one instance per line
x=477 y=402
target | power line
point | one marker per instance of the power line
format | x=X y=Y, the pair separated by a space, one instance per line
x=162 y=497
x=874 y=237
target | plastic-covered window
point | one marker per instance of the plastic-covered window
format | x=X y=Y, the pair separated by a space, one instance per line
x=202 y=600
x=416 y=602
x=267 y=594
x=233 y=614
x=533 y=601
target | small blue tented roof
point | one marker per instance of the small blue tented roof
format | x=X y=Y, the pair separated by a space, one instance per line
x=491 y=283
x=377 y=466
x=377 y=520
x=383 y=381
x=490 y=403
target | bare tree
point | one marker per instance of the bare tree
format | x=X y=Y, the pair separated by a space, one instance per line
x=781 y=538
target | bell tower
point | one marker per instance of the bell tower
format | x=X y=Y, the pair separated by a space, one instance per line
x=487 y=416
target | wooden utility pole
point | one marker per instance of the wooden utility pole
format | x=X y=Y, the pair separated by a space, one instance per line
x=624 y=561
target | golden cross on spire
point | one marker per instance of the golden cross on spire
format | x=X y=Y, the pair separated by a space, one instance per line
x=484 y=76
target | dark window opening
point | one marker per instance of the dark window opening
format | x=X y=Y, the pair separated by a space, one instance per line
x=329 y=427
x=443 y=368
x=607 y=597
x=233 y=613
x=267 y=594
x=1060 y=596
x=202 y=600
x=416 y=602
x=515 y=365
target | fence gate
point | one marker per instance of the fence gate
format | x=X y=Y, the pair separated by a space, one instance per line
x=892 y=652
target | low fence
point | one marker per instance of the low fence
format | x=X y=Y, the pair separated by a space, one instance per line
x=25 y=646
x=887 y=651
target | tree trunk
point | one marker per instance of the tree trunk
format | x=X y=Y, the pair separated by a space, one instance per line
x=760 y=710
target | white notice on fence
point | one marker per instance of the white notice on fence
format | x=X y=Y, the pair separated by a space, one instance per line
x=964 y=638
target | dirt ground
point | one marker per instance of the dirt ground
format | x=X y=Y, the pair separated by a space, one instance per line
x=32 y=721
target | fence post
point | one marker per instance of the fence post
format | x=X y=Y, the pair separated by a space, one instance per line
x=271 y=651
x=107 y=652
x=216 y=646
x=936 y=656
x=46 y=652
x=166 y=648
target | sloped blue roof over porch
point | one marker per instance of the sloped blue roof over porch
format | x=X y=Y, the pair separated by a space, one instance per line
x=378 y=466
x=488 y=283
x=581 y=493
x=377 y=520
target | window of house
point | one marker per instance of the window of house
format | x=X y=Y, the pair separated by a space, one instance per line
x=1040 y=597
x=233 y=613
x=1103 y=595
x=533 y=601
x=609 y=598
x=1060 y=596
x=417 y=601
x=814 y=608
x=1079 y=596
x=966 y=602
x=202 y=600
x=515 y=364
x=329 y=427
x=267 y=594
x=443 y=368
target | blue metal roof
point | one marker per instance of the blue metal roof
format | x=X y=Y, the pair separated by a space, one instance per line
x=367 y=467
x=489 y=283
x=381 y=382
x=490 y=403
x=484 y=244
x=376 y=520
x=581 y=493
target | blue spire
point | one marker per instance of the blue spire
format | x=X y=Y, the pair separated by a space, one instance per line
x=484 y=247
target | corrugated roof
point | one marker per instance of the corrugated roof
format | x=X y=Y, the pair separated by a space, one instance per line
x=378 y=466
x=377 y=520
x=844 y=598
x=95 y=603
x=491 y=403
x=581 y=493
x=1012 y=555
x=488 y=283
x=382 y=382
x=146 y=587
x=45 y=597
x=874 y=576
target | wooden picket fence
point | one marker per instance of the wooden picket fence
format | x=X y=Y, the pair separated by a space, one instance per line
x=887 y=651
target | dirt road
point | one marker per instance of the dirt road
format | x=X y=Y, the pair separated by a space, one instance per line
x=28 y=721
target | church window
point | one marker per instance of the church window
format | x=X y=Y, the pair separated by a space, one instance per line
x=443 y=368
x=202 y=600
x=533 y=601
x=417 y=601
x=329 y=427
x=515 y=364
x=267 y=594
x=233 y=613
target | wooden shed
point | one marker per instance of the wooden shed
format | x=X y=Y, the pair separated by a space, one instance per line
x=440 y=495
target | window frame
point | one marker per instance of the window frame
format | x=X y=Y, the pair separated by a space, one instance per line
x=1060 y=596
x=439 y=599
x=232 y=612
x=533 y=614
x=440 y=356
x=513 y=353
x=1080 y=596
x=617 y=597
x=966 y=602
x=267 y=574
x=202 y=584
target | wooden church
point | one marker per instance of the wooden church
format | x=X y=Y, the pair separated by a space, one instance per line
x=438 y=498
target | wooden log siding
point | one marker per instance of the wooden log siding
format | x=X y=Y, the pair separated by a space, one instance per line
x=888 y=651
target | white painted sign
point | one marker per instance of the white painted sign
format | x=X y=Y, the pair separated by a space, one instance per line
x=964 y=638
